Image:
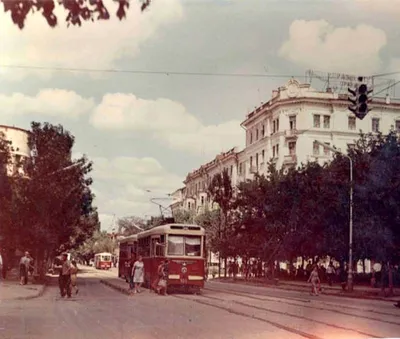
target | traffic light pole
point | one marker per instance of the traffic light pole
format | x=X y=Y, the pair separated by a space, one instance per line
x=350 y=284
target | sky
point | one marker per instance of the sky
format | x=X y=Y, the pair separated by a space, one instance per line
x=145 y=131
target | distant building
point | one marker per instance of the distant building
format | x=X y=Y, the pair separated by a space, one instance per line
x=20 y=149
x=284 y=130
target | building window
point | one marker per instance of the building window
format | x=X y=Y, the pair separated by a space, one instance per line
x=202 y=201
x=189 y=205
x=292 y=122
x=398 y=126
x=277 y=125
x=327 y=121
x=251 y=137
x=315 y=148
x=263 y=156
x=240 y=168
x=273 y=152
x=262 y=131
x=277 y=150
x=251 y=162
x=317 y=121
x=274 y=126
x=256 y=134
x=231 y=170
x=292 y=148
x=375 y=125
x=352 y=123
x=257 y=160
x=327 y=151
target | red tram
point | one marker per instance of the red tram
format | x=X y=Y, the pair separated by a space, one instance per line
x=127 y=252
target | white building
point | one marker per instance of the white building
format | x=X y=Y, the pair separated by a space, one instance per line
x=20 y=149
x=284 y=129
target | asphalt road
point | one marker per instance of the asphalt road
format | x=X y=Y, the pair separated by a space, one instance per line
x=222 y=311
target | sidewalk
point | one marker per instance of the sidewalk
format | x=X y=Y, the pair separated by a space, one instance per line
x=10 y=289
x=360 y=292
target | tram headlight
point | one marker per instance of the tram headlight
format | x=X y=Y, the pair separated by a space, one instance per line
x=184 y=270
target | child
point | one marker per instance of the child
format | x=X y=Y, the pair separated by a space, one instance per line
x=74 y=272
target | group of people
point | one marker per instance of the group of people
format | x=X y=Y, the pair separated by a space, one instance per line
x=136 y=276
x=67 y=279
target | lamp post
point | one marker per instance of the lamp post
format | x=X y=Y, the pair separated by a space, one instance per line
x=350 y=264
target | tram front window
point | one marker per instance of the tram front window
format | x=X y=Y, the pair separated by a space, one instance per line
x=106 y=258
x=188 y=246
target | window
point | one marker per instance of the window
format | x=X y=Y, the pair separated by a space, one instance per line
x=292 y=148
x=273 y=151
x=315 y=148
x=263 y=155
x=176 y=245
x=231 y=170
x=277 y=124
x=192 y=246
x=352 y=123
x=251 y=137
x=256 y=134
x=292 y=122
x=262 y=131
x=189 y=205
x=240 y=168
x=257 y=160
x=375 y=125
x=251 y=161
x=327 y=121
x=398 y=126
x=274 y=126
x=184 y=246
x=202 y=201
x=317 y=121
x=327 y=152
x=277 y=150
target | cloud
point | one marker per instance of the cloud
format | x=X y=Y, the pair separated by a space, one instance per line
x=122 y=186
x=93 y=45
x=48 y=102
x=321 y=46
x=166 y=121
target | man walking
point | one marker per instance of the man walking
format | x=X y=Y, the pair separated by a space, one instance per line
x=64 y=280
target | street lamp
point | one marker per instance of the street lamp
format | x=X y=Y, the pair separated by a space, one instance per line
x=350 y=269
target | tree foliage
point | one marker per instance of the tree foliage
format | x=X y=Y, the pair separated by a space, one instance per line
x=77 y=10
x=305 y=212
x=131 y=225
x=50 y=208
x=99 y=242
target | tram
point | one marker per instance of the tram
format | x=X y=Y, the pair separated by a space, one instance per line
x=127 y=253
x=103 y=261
x=183 y=245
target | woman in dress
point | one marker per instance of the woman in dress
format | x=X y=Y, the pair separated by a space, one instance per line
x=138 y=274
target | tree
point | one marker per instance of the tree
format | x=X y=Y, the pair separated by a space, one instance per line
x=130 y=225
x=182 y=216
x=78 y=10
x=54 y=204
x=221 y=192
x=99 y=242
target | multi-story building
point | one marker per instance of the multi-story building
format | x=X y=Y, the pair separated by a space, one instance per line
x=284 y=130
x=20 y=148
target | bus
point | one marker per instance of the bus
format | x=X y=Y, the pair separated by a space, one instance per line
x=127 y=252
x=183 y=245
x=103 y=261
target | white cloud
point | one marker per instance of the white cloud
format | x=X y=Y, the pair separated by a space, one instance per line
x=122 y=185
x=48 y=102
x=93 y=45
x=167 y=121
x=321 y=46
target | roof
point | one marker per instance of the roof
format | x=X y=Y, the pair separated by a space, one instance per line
x=173 y=229
x=128 y=238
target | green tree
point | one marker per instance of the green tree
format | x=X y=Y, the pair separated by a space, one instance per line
x=182 y=216
x=221 y=192
x=99 y=242
x=55 y=204
x=77 y=10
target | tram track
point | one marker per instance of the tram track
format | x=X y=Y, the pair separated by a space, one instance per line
x=282 y=300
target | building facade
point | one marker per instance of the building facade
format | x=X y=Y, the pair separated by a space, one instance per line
x=20 y=149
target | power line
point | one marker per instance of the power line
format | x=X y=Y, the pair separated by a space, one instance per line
x=110 y=70
x=386 y=88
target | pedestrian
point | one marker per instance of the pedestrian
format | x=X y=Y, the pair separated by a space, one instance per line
x=156 y=281
x=163 y=282
x=24 y=265
x=64 y=279
x=74 y=273
x=330 y=273
x=138 y=274
x=130 y=275
x=315 y=281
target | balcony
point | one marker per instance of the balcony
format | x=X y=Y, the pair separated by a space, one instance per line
x=291 y=134
x=290 y=159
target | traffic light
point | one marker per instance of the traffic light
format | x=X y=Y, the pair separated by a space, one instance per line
x=360 y=100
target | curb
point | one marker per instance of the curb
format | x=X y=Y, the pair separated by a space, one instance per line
x=117 y=288
x=340 y=295
x=41 y=291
